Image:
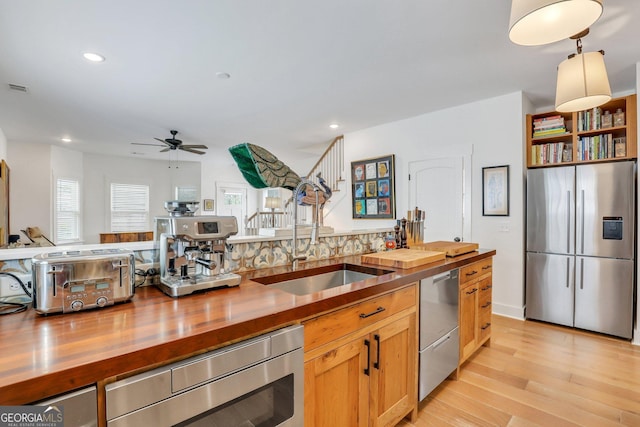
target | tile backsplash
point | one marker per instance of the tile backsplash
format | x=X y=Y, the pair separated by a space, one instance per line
x=248 y=255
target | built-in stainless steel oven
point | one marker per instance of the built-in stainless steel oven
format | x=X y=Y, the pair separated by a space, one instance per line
x=258 y=382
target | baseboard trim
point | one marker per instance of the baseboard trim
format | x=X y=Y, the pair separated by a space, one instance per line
x=508 y=311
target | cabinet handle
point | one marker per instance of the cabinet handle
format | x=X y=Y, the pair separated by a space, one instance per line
x=486 y=288
x=376 y=364
x=486 y=326
x=486 y=305
x=473 y=291
x=486 y=267
x=377 y=310
x=368 y=344
x=472 y=273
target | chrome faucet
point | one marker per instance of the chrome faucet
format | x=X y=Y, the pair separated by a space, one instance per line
x=295 y=258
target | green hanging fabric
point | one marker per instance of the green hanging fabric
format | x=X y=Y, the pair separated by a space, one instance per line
x=262 y=169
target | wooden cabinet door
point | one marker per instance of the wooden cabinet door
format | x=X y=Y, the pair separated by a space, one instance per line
x=468 y=319
x=336 y=389
x=393 y=371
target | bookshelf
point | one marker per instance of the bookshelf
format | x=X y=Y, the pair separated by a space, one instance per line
x=555 y=139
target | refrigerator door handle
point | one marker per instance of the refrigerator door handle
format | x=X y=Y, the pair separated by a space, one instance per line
x=582 y=209
x=568 y=221
x=581 y=273
x=568 y=273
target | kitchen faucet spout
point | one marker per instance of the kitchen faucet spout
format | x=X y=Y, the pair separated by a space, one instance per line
x=295 y=257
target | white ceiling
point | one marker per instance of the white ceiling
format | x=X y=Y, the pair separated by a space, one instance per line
x=296 y=66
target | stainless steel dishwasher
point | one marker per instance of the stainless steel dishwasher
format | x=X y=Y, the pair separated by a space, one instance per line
x=439 y=343
x=258 y=382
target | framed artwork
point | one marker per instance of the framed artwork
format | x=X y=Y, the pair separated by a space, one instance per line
x=495 y=191
x=373 y=188
x=208 y=205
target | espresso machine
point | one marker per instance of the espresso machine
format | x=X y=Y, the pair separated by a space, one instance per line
x=192 y=249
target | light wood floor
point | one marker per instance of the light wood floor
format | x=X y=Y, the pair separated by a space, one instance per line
x=535 y=374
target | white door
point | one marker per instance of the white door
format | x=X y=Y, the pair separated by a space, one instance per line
x=437 y=186
x=232 y=201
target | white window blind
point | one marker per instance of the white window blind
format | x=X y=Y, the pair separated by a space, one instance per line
x=129 y=207
x=67 y=221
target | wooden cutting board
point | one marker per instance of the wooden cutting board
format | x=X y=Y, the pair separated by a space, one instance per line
x=403 y=258
x=452 y=249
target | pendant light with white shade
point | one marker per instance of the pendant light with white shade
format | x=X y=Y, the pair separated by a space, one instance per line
x=538 y=22
x=582 y=80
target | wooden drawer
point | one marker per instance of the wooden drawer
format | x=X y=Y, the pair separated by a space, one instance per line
x=484 y=289
x=331 y=326
x=475 y=270
x=484 y=325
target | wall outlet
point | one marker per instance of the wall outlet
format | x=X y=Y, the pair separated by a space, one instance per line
x=10 y=287
x=504 y=227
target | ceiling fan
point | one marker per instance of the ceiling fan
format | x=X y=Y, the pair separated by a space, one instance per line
x=175 y=144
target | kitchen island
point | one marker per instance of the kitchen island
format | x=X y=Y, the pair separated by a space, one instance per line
x=42 y=356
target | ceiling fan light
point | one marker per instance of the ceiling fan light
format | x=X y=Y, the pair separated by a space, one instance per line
x=538 y=22
x=582 y=82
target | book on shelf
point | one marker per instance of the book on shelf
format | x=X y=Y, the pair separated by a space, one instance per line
x=596 y=147
x=555 y=152
x=591 y=119
x=548 y=126
x=550 y=132
x=547 y=118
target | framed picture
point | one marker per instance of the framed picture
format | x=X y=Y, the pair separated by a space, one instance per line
x=495 y=191
x=373 y=188
x=208 y=205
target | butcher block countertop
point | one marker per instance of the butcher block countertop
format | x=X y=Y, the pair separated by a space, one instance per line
x=41 y=356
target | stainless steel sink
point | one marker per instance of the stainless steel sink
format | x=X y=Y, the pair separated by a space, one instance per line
x=304 y=282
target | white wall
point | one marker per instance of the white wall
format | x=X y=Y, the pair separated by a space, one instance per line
x=494 y=130
x=30 y=187
x=3 y=146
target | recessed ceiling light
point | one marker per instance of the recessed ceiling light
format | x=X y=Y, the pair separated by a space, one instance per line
x=222 y=75
x=93 y=57
x=65 y=139
x=334 y=126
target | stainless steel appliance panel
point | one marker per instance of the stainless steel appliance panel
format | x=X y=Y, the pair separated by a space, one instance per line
x=200 y=400
x=221 y=363
x=604 y=295
x=261 y=391
x=80 y=407
x=438 y=306
x=550 y=287
x=437 y=362
x=551 y=210
x=605 y=196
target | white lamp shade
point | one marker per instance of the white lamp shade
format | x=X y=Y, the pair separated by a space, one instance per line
x=582 y=83
x=272 y=202
x=537 y=22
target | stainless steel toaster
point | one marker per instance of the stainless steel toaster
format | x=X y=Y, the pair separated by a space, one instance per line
x=71 y=281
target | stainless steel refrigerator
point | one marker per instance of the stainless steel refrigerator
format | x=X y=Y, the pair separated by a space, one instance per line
x=581 y=246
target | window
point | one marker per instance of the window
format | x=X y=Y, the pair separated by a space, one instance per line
x=129 y=207
x=67 y=220
x=187 y=194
